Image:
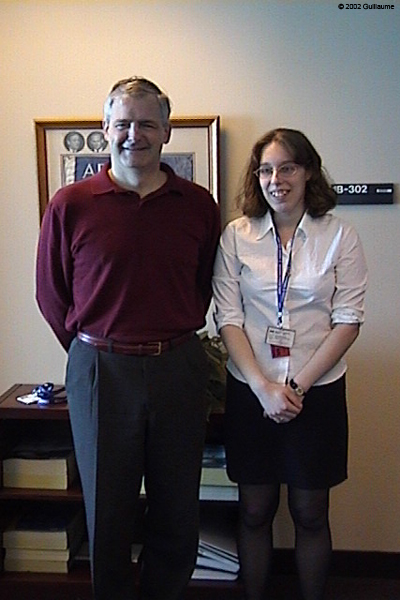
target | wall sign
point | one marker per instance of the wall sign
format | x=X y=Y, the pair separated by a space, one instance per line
x=364 y=193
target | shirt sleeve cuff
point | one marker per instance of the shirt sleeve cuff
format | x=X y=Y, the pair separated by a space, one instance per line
x=347 y=315
x=226 y=320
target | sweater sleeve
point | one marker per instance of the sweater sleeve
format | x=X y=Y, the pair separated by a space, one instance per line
x=53 y=274
x=207 y=257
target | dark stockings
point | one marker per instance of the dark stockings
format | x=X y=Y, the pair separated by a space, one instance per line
x=309 y=511
x=258 y=506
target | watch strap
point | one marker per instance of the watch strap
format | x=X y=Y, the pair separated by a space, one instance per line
x=297 y=389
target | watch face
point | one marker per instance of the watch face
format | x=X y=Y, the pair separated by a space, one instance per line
x=298 y=390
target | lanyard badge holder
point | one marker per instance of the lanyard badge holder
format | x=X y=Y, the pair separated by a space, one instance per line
x=279 y=338
x=44 y=395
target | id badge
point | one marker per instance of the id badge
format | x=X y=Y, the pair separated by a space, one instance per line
x=280 y=340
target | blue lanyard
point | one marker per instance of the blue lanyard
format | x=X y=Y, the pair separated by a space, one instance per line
x=282 y=285
x=46 y=394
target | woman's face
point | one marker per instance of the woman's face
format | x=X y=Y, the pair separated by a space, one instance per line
x=283 y=182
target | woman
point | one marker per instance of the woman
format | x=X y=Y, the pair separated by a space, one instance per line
x=289 y=286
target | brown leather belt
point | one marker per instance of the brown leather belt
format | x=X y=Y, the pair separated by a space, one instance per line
x=145 y=349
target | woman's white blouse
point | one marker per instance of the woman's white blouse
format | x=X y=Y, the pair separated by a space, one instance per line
x=326 y=287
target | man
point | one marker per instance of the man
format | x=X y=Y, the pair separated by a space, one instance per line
x=123 y=278
x=96 y=141
x=74 y=141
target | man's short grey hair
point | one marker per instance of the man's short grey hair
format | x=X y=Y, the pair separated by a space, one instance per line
x=137 y=86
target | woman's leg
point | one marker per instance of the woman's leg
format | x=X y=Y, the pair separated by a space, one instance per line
x=258 y=506
x=309 y=510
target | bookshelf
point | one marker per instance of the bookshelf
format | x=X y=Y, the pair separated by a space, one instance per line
x=76 y=584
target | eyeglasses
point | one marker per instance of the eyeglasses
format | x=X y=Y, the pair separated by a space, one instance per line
x=286 y=170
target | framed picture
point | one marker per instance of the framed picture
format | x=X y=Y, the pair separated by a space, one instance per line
x=71 y=150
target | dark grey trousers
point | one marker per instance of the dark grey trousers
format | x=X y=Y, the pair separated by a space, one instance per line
x=133 y=416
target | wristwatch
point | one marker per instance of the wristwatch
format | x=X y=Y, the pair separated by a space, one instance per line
x=297 y=389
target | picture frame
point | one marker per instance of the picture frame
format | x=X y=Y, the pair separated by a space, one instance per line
x=69 y=150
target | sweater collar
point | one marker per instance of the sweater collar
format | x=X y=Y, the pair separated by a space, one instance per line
x=101 y=183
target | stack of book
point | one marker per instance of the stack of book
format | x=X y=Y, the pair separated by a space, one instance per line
x=214 y=562
x=217 y=556
x=215 y=483
x=44 y=460
x=44 y=539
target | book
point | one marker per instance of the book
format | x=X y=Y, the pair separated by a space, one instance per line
x=55 y=527
x=215 y=476
x=214 y=466
x=218 y=530
x=210 y=555
x=200 y=573
x=217 y=563
x=36 y=566
x=217 y=556
x=38 y=554
x=40 y=561
x=41 y=457
x=55 y=473
x=219 y=492
x=214 y=456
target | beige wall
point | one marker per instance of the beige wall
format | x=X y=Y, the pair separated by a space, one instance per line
x=334 y=74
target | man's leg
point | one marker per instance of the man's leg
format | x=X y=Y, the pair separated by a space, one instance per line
x=177 y=418
x=107 y=406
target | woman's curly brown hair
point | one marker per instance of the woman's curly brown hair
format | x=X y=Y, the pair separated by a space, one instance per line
x=319 y=195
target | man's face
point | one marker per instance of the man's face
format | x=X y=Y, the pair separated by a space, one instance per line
x=75 y=141
x=136 y=133
x=97 y=141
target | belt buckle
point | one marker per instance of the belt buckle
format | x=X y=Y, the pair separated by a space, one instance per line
x=159 y=349
x=149 y=347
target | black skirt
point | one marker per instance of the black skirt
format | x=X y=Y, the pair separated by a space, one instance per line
x=309 y=452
